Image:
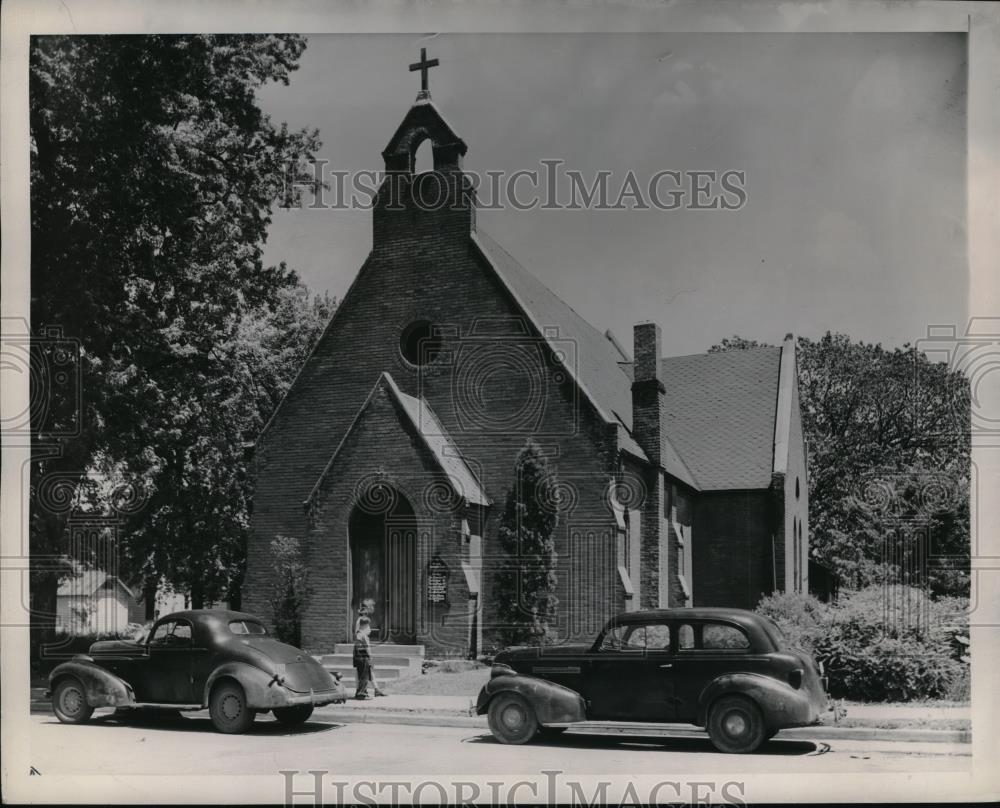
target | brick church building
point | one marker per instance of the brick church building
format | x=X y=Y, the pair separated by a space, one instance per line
x=683 y=479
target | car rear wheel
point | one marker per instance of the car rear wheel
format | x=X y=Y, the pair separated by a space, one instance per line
x=228 y=708
x=293 y=716
x=69 y=702
x=735 y=724
x=512 y=720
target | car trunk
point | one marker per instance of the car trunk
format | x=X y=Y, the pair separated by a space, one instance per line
x=302 y=672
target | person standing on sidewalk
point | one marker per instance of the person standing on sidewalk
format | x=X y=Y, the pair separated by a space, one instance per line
x=367 y=609
x=363 y=659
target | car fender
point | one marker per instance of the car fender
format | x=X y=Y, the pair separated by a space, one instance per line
x=781 y=704
x=553 y=703
x=263 y=690
x=101 y=687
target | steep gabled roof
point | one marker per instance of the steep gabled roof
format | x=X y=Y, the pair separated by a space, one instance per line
x=595 y=365
x=721 y=415
x=426 y=425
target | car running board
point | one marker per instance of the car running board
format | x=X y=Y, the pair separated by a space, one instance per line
x=632 y=728
x=157 y=706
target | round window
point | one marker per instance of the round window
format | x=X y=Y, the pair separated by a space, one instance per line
x=419 y=343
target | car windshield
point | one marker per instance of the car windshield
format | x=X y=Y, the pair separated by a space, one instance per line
x=246 y=627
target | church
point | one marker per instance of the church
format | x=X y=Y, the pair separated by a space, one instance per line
x=682 y=480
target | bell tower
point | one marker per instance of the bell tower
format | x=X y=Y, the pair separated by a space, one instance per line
x=412 y=207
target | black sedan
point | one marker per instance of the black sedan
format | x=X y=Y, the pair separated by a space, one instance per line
x=190 y=660
x=727 y=670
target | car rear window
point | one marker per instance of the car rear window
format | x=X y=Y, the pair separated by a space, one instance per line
x=246 y=627
x=720 y=637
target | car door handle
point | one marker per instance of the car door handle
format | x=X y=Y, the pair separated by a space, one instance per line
x=668 y=665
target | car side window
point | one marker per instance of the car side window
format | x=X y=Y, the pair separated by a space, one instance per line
x=612 y=640
x=181 y=634
x=161 y=633
x=635 y=640
x=658 y=637
x=685 y=637
x=721 y=637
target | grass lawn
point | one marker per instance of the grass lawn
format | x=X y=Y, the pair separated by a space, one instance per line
x=451 y=678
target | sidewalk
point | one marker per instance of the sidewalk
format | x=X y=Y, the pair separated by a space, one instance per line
x=881 y=722
x=900 y=722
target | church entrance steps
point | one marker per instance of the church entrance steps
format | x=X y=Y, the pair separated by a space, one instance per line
x=347 y=660
x=348 y=676
x=383 y=649
x=389 y=660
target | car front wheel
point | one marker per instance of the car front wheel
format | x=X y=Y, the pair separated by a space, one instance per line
x=69 y=702
x=512 y=720
x=293 y=716
x=736 y=725
x=228 y=708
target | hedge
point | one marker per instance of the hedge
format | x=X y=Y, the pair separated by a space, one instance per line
x=890 y=643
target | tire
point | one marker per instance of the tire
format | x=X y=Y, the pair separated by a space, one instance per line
x=736 y=725
x=69 y=702
x=293 y=716
x=512 y=719
x=228 y=709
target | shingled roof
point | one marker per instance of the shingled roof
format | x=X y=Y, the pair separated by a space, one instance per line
x=720 y=406
x=720 y=415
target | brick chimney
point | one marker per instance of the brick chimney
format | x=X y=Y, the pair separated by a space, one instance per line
x=648 y=391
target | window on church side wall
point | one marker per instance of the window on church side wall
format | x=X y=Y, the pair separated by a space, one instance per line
x=419 y=343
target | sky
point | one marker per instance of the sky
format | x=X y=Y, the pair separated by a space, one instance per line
x=853 y=148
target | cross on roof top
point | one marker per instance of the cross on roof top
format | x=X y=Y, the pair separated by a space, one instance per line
x=424 y=65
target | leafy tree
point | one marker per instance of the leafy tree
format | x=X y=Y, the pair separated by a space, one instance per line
x=526 y=580
x=153 y=178
x=736 y=343
x=290 y=589
x=889 y=460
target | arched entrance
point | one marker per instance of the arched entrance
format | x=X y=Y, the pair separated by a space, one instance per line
x=383 y=546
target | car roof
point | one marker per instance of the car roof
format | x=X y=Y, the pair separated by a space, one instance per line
x=741 y=616
x=196 y=615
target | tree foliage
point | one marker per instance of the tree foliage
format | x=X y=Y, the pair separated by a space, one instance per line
x=526 y=580
x=289 y=589
x=153 y=178
x=889 y=461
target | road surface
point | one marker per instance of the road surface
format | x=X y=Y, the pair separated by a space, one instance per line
x=189 y=745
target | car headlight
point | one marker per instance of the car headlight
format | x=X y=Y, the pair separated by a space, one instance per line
x=499 y=669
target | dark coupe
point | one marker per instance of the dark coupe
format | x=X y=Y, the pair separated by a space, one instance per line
x=190 y=660
x=728 y=670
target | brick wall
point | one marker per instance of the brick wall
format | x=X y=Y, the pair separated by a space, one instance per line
x=424 y=266
x=732 y=548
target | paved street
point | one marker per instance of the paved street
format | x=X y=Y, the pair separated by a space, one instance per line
x=190 y=746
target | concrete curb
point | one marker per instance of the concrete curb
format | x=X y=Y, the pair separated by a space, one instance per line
x=816 y=733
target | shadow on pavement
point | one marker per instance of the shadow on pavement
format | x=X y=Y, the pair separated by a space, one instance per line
x=693 y=745
x=197 y=723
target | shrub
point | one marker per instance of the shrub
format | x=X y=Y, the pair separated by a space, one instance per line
x=802 y=618
x=883 y=643
x=290 y=589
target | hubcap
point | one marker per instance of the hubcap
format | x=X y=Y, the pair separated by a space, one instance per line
x=513 y=717
x=231 y=707
x=735 y=724
x=72 y=701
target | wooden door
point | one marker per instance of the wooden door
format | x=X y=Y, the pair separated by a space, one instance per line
x=400 y=606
